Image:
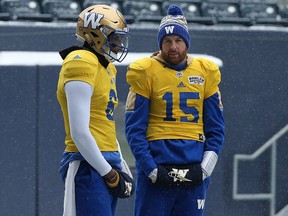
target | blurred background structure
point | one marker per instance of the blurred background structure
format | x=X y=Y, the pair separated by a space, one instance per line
x=208 y=12
x=248 y=39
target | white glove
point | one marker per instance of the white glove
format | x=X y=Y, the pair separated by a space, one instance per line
x=208 y=163
x=153 y=175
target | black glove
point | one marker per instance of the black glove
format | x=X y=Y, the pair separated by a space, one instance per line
x=179 y=175
x=125 y=187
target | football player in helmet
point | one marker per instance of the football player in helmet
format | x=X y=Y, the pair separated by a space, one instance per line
x=92 y=163
x=174 y=123
x=105 y=30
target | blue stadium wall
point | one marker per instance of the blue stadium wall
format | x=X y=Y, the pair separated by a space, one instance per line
x=254 y=92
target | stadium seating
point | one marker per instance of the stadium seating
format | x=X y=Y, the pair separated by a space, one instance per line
x=220 y=9
x=204 y=12
x=191 y=10
x=23 y=10
x=262 y=13
x=283 y=12
x=4 y=16
x=258 y=10
x=224 y=12
x=67 y=10
x=143 y=11
x=115 y=4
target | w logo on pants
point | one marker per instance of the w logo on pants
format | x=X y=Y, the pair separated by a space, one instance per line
x=201 y=203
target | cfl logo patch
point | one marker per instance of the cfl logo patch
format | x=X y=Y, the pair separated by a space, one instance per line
x=179 y=174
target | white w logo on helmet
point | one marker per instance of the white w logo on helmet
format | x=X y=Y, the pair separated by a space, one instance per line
x=92 y=18
x=169 y=29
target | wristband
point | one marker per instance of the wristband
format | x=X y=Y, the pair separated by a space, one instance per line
x=110 y=182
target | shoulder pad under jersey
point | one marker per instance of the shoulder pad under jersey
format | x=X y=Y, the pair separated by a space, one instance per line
x=111 y=67
x=81 y=56
x=208 y=64
x=141 y=64
x=80 y=65
x=211 y=73
x=139 y=76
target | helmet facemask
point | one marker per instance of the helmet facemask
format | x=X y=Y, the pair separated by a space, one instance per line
x=116 y=45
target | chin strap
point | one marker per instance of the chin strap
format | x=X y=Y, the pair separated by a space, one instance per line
x=208 y=163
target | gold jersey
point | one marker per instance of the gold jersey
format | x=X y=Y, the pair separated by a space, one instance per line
x=176 y=97
x=82 y=65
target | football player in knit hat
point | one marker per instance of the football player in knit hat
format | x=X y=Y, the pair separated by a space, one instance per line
x=174 y=123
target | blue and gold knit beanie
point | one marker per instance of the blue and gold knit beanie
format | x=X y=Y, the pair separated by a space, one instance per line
x=174 y=24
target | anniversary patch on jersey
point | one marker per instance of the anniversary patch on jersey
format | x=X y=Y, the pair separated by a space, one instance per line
x=196 y=80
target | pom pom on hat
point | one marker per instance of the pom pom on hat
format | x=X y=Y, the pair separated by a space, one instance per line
x=174 y=10
x=174 y=24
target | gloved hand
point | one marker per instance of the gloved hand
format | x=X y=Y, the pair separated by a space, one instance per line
x=123 y=186
x=179 y=175
x=208 y=163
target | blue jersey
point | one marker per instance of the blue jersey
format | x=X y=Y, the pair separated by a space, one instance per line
x=173 y=116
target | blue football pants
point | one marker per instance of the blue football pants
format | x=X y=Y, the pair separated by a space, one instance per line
x=91 y=193
x=152 y=200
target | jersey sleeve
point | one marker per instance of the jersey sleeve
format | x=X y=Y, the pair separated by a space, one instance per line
x=140 y=82
x=213 y=123
x=212 y=77
x=136 y=123
x=80 y=66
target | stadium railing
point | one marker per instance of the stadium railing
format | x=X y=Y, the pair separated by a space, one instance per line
x=271 y=196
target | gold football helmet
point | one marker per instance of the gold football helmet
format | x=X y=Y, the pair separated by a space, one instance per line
x=105 y=30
